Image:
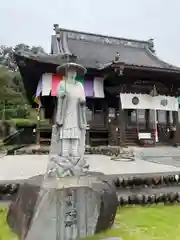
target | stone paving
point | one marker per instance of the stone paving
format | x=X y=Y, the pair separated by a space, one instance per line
x=17 y=167
x=161 y=155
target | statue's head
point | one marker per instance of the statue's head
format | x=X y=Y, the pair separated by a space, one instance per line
x=71 y=73
x=71 y=70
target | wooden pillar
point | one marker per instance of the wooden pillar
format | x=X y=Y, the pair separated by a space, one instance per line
x=121 y=124
x=167 y=118
x=38 y=126
x=89 y=112
x=147 y=120
x=176 y=124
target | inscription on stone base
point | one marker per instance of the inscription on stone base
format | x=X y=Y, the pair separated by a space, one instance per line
x=91 y=206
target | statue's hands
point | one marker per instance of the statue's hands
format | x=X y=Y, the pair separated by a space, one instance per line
x=62 y=91
x=82 y=101
x=58 y=125
x=63 y=94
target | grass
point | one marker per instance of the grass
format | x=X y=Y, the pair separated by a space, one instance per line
x=132 y=223
x=5 y=233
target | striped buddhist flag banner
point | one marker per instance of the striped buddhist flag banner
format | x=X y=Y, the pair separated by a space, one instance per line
x=88 y=85
x=38 y=92
x=46 y=84
x=49 y=83
x=98 y=87
x=80 y=79
x=178 y=100
x=55 y=81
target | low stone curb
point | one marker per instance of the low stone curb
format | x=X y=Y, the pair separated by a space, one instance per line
x=117 y=152
x=138 y=189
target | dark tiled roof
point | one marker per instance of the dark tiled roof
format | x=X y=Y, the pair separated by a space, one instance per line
x=92 y=49
x=97 y=51
x=105 y=53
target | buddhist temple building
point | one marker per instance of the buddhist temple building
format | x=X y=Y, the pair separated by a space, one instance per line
x=132 y=95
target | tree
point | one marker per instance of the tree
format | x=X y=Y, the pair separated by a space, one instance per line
x=11 y=85
x=7 y=54
x=37 y=49
x=13 y=102
x=22 y=47
x=11 y=88
x=7 y=58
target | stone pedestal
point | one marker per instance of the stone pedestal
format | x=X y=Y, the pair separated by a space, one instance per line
x=68 y=208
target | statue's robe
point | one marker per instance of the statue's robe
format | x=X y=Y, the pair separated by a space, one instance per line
x=70 y=126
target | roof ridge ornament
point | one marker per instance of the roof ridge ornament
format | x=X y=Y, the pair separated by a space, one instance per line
x=117 y=57
x=119 y=65
x=56 y=27
x=151 y=45
x=61 y=40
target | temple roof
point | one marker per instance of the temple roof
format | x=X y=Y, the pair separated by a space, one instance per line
x=91 y=50
x=98 y=51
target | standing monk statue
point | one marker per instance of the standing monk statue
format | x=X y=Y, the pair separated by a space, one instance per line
x=68 y=139
x=66 y=205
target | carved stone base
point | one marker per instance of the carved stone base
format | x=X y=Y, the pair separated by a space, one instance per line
x=76 y=207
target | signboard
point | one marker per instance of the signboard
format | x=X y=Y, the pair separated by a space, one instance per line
x=144 y=135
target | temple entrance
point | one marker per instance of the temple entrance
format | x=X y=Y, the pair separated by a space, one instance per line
x=139 y=124
x=141 y=119
x=149 y=119
x=130 y=118
x=157 y=123
x=164 y=126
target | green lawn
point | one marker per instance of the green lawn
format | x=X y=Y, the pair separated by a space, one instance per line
x=5 y=233
x=132 y=223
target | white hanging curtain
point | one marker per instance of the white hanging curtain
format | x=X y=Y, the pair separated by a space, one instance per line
x=145 y=101
x=165 y=103
x=98 y=87
x=136 y=101
x=46 y=84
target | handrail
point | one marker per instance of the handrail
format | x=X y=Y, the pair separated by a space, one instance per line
x=11 y=137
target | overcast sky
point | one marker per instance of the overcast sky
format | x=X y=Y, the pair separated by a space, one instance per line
x=31 y=21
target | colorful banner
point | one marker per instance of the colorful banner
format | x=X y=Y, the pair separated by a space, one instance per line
x=98 y=87
x=80 y=79
x=178 y=100
x=88 y=85
x=38 y=92
x=88 y=88
x=48 y=86
x=55 y=81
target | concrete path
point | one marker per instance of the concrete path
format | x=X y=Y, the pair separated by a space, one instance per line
x=24 y=166
x=161 y=155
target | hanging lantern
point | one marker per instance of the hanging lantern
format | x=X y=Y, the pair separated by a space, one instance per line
x=120 y=69
x=154 y=92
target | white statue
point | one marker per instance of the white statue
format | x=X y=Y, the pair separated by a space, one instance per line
x=67 y=207
x=68 y=145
